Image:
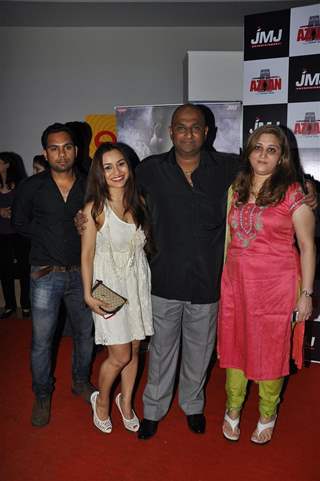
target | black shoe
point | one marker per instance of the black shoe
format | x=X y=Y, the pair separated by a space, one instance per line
x=41 y=412
x=83 y=389
x=7 y=313
x=147 y=429
x=197 y=423
x=26 y=313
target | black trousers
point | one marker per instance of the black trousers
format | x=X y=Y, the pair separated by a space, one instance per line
x=14 y=264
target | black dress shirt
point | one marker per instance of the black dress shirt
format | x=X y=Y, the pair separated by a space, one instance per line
x=40 y=213
x=188 y=223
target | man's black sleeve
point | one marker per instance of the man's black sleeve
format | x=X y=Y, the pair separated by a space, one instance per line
x=22 y=209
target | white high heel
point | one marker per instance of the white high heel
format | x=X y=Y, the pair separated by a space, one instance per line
x=132 y=424
x=104 y=426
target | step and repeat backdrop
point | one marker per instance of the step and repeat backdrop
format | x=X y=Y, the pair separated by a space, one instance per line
x=282 y=87
x=282 y=77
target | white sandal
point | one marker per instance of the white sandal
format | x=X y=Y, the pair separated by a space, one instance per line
x=132 y=424
x=104 y=426
x=234 y=423
x=262 y=427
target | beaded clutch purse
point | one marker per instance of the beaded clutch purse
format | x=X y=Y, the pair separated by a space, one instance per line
x=103 y=293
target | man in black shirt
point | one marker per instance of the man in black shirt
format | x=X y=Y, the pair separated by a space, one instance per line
x=186 y=192
x=44 y=209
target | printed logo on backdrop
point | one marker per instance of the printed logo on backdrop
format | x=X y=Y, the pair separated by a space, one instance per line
x=259 y=122
x=103 y=128
x=304 y=121
x=267 y=35
x=305 y=30
x=310 y=33
x=266 y=81
x=309 y=126
x=304 y=78
x=257 y=116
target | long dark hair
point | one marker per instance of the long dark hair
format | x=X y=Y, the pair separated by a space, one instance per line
x=16 y=171
x=98 y=191
x=274 y=188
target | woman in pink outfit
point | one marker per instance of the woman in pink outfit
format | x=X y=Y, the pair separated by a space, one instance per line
x=261 y=278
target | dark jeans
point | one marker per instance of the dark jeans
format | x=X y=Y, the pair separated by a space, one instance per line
x=14 y=264
x=46 y=296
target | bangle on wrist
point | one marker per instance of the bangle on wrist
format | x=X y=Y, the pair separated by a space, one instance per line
x=307 y=292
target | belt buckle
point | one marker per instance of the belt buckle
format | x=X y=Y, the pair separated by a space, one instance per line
x=68 y=268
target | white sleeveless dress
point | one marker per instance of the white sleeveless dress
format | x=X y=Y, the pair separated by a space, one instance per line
x=120 y=262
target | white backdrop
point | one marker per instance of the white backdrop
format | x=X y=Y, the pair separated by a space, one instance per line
x=214 y=76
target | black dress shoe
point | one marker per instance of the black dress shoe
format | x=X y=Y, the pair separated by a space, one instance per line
x=26 y=313
x=147 y=429
x=197 y=423
x=7 y=313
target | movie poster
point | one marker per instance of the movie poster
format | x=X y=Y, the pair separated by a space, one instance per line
x=146 y=128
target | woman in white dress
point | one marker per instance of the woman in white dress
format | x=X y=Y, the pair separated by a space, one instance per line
x=114 y=247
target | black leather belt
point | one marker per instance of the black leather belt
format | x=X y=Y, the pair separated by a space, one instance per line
x=44 y=270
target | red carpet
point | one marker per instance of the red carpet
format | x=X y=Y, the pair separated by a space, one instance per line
x=71 y=449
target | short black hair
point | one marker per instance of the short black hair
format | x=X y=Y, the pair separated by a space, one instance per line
x=53 y=129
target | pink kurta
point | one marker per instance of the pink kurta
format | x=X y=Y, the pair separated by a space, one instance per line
x=259 y=287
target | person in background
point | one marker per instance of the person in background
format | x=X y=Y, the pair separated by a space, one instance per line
x=261 y=278
x=14 y=248
x=43 y=211
x=113 y=250
x=39 y=164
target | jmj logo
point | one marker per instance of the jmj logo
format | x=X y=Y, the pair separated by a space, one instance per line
x=310 y=126
x=265 y=83
x=268 y=38
x=259 y=123
x=311 y=32
x=308 y=81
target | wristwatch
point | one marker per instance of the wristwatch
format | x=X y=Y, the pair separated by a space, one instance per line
x=307 y=292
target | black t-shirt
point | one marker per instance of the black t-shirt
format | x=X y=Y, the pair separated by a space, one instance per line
x=188 y=223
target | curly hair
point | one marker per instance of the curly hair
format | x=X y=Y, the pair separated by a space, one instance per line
x=274 y=188
x=98 y=191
